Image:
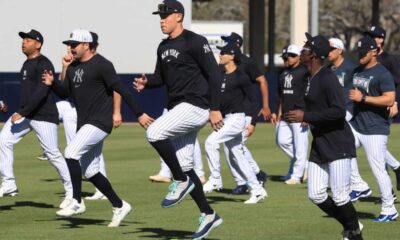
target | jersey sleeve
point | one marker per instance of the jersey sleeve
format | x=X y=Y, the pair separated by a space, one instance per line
x=155 y=80
x=335 y=101
x=201 y=52
x=41 y=91
x=253 y=70
x=112 y=81
x=386 y=83
x=249 y=92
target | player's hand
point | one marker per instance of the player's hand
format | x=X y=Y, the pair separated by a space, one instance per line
x=355 y=95
x=265 y=112
x=47 y=78
x=3 y=107
x=15 y=117
x=140 y=83
x=145 y=120
x=216 y=120
x=275 y=119
x=250 y=130
x=294 y=116
x=393 y=110
x=117 y=120
x=67 y=59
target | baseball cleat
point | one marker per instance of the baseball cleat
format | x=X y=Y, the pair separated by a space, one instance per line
x=292 y=181
x=74 y=208
x=206 y=224
x=65 y=202
x=177 y=191
x=240 y=189
x=353 y=235
x=256 y=196
x=386 y=218
x=11 y=192
x=355 y=195
x=212 y=185
x=262 y=177
x=96 y=196
x=119 y=214
x=160 y=179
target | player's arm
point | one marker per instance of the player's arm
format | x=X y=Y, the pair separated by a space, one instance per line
x=117 y=117
x=150 y=81
x=201 y=52
x=248 y=90
x=265 y=111
x=3 y=107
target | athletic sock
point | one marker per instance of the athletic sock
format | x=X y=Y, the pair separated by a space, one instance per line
x=75 y=172
x=198 y=194
x=102 y=183
x=349 y=216
x=167 y=152
x=330 y=208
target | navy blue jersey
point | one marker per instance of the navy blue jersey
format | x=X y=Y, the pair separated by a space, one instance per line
x=369 y=119
x=392 y=64
x=325 y=112
x=188 y=69
x=36 y=101
x=345 y=74
x=291 y=88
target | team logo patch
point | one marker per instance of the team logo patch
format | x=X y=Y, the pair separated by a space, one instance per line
x=206 y=48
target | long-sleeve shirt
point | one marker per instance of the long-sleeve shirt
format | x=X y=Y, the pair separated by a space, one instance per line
x=188 y=69
x=36 y=101
x=90 y=85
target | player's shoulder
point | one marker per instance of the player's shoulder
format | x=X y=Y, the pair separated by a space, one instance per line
x=42 y=60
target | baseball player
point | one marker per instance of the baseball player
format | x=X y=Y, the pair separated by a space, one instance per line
x=90 y=81
x=235 y=88
x=344 y=69
x=37 y=112
x=373 y=93
x=390 y=63
x=165 y=175
x=249 y=67
x=187 y=67
x=333 y=143
x=292 y=138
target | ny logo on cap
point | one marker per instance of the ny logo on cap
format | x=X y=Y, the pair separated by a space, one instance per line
x=359 y=43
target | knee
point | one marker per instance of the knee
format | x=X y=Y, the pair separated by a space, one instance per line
x=153 y=134
x=69 y=153
x=211 y=145
x=317 y=197
x=89 y=173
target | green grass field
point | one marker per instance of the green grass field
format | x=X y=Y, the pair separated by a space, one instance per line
x=285 y=214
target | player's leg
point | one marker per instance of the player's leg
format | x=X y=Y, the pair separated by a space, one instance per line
x=395 y=164
x=10 y=135
x=375 y=149
x=339 y=178
x=98 y=195
x=46 y=133
x=198 y=162
x=284 y=140
x=241 y=185
x=300 y=148
x=182 y=119
x=70 y=122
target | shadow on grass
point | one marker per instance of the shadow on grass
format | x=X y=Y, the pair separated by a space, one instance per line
x=219 y=199
x=276 y=178
x=160 y=233
x=25 y=204
x=84 y=194
x=75 y=222
x=361 y=215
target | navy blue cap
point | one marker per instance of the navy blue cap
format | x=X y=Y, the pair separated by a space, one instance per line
x=376 y=31
x=33 y=34
x=366 y=44
x=169 y=7
x=319 y=45
x=233 y=38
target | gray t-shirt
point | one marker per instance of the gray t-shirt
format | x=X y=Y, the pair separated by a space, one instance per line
x=369 y=119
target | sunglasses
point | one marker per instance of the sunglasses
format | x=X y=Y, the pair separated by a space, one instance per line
x=74 y=45
x=292 y=55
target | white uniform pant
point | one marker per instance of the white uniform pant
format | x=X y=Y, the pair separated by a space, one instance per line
x=181 y=125
x=337 y=173
x=86 y=146
x=46 y=133
x=231 y=135
x=292 y=138
x=67 y=114
x=375 y=149
x=247 y=154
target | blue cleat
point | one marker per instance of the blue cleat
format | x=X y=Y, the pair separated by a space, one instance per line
x=240 y=189
x=386 y=218
x=355 y=195
x=206 y=224
x=177 y=191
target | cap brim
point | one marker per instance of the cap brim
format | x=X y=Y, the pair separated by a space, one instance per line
x=70 y=42
x=22 y=34
x=308 y=36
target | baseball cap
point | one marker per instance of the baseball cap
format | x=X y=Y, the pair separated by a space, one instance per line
x=336 y=43
x=233 y=38
x=294 y=49
x=231 y=49
x=79 y=36
x=169 y=7
x=33 y=34
x=284 y=52
x=364 y=45
x=376 y=31
x=319 y=45
x=95 y=37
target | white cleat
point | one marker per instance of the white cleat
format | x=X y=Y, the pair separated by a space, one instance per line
x=256 y=196
x=96 y=196
x=212 y=185
x=119 y=214
x=74 y=208
x=12 y=192
x=66 y=201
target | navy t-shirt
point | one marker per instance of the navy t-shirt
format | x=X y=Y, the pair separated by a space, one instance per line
x=345 y=74
x=369 y=119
